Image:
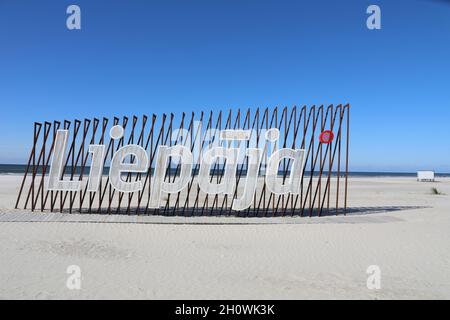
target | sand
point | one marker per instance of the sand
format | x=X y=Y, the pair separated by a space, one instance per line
x=396 y=224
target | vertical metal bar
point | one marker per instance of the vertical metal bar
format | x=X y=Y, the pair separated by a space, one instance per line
x=305 y=128
x=130 y=141
x=109 y=150
x=202 y=141
x=36 y=132
x=66 y=126
x=150 y=140
x=32 y=182
x=322 y=128
x=101 y=141
x=205 y=202
x=56 y=126
x=138 y=175
x=189 y=135
x=180 y=127
x=312 y=156
x=287 y=127
x=168 y=137
x=262 y=197
x=45 y=165
x=197 y=165
x=34 y=199
x=339 y=161
x=330 y=167
x=238 y=178
x=294 y=146
x=257 y=145
x=219 y=174
x=73 y=164
x=80 y=154
x=85 y=158
x=346 y=157
x=163 y=142
x=84 y=163
x=47 y=127
x=274 y=118
x=225 y=198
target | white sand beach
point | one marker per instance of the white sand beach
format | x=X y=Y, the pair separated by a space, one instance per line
x=395 y=223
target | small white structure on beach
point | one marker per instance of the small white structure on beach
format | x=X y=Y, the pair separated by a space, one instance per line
x=425 y=175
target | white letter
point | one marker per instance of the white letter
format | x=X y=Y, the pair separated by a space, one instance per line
x=74 y=20
x=226 y=186
x=254 y=160
x=374 y=20
x=159 y=185
x=95 y=173
x=117 y=167
x=293 y=184
x=55 y=181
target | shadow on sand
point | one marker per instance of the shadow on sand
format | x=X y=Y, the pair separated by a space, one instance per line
x=354 y=215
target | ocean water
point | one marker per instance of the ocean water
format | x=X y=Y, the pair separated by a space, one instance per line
x=14 y=169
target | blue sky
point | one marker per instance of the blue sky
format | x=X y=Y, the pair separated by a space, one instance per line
x=134 y=57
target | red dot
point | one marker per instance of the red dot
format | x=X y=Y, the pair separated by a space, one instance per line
x=326 y=136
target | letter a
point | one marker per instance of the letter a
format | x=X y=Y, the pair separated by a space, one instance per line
x=374 y=20
x=293 y=185
x=74 y=20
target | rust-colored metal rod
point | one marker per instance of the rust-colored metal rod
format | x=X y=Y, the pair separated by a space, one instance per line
x=72 y=157
x=36 y=131
x=101 y=141
x=150 y=139
x=339 y=162
x=346 y=157
x=130 y=141
x=111 y=148
x=56 y=126
x=83 y=193
x=40 y=191
x=168 y=172
x=189 y=135
x=32 y=190
x=263 y=193
x=255 y=122
x=86 y=125
x=138 y=175
x=197 y=134
x=148 y=143
x=197 y=165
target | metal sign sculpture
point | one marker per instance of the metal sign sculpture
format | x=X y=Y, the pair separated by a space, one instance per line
x=266 y=163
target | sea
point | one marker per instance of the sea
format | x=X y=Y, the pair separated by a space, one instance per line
x=19 y=169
